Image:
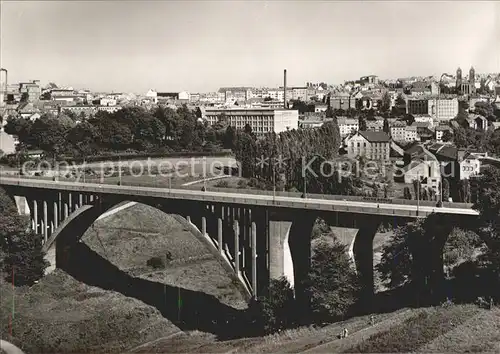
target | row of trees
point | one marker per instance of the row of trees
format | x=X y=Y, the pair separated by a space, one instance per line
x=295 y=159
x=131 y=128
x=411 y=254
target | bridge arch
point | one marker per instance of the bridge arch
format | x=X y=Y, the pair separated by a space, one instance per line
x=72 y=229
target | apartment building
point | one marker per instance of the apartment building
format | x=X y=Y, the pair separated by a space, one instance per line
x=372 y=145
x=411 y=133
x=443 y=109
x=262 y=120
x=398 y=131
x=347 y=126
x=417 y=106
x=32 y=89
x=342 y=100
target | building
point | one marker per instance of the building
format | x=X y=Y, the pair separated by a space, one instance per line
x=411 y=134
x=342 y=100
x=372 y=145
x=27 y=109
x=417 y=106
x=262 y=120
x=375 y=125
x=320 y=108
x=299 y=93
x=61 y=92
x=32 y=89
x=87 y=110
x=477 y=122
x=152 y=95
x=443 y=109
x=347 y=126
x=109 y=109
x=398 y=131
x=439 y=132
x=424 y=118
x=420 y=164
x=107 y=101
x=469 y=164
x=469 y=87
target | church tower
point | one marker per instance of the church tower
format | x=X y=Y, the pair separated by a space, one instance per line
x=459 y=80
x=472 y=80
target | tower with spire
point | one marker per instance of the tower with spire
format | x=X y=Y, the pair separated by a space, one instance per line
x=472 y=80
x=459 y=80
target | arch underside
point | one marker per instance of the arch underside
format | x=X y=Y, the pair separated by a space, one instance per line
x=72 y=229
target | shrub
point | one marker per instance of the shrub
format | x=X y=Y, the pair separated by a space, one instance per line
x=222 y=184
x=21 y=249
x=275 y=311
x=156 y=263
x=320 y=228
x=242 y=183
x=333 y=286
x=24 y=260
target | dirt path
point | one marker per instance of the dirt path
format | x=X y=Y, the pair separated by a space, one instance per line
x=339 y=345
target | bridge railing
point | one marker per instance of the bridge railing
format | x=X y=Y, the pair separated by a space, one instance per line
x=396 y=201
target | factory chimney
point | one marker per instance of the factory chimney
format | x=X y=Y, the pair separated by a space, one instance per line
x=3 y=87
x=284 y=90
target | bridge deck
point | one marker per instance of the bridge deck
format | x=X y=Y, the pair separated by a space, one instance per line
x=135 y=192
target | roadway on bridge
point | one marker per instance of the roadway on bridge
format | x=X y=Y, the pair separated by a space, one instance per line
x=242 y=198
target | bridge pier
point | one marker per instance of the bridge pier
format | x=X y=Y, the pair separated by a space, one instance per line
x=363 y=255
x=45 y=222
x=35 y=216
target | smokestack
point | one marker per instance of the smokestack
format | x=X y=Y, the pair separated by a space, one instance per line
x=284 y=89
x=3 y=90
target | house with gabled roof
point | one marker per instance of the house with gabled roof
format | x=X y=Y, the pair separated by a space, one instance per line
x=372 y=145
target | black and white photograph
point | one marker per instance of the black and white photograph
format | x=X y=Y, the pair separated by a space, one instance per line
x=249 y=176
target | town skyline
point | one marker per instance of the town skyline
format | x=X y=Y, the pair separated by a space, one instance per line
x=260 y=39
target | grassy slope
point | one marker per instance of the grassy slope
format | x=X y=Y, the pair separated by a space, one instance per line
x=61 y=314
x=425 y=326
x=480 y=333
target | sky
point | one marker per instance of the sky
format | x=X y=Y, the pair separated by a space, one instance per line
x=199 y=46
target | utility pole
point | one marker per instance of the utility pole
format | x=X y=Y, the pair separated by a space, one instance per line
x=120 y=170
x=418 y=192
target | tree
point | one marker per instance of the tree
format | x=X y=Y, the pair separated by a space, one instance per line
x=446 y=190
x=417 y=188
x=385 y=103
x=395 y=265
x=248 y=129
x=460 y=247
x=275 y=311
x=229 y=138
x=488 y=205
x=485 y=109
x=464 y=191
x=447 y=136
x=409 y=119
x=387 y=128
x=23 y=257
x=329 y=112
x=399 y=108
x=24 y=97
x=333 y=286
x=407 y=193
x=362 y=123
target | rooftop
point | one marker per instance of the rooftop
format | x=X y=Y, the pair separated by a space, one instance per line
x=374 y=137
